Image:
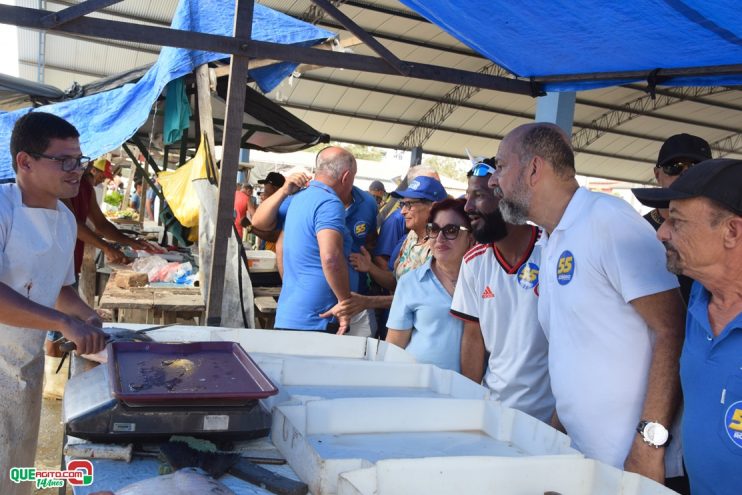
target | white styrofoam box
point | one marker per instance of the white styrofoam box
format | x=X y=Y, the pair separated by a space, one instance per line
x=283 y=342
x=502 y=475
x=261 y=261
x=321 y=439
x=300 y=379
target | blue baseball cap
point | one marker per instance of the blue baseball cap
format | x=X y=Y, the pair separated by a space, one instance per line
x=423 y=188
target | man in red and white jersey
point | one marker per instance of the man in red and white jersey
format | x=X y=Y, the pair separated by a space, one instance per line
x=497 y=297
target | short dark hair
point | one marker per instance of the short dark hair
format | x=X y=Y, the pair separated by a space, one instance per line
x=455 y=205
x=549 y=143
x=33 y=132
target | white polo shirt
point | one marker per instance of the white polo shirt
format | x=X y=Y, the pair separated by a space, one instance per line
x=503 y=299
x=601 y=256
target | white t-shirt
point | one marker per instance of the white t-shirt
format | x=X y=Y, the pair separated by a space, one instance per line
x=601 y=256
x=503 y=299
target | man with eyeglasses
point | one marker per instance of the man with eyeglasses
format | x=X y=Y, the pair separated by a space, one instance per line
x=37 y=239
x=497 y=298
x=679 y=153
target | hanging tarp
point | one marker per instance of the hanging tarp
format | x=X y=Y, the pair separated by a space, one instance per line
x=542 y=38
x=106 y=120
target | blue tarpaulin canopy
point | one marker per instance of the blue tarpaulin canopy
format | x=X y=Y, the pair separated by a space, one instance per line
x=547 y=38
x=106 y=120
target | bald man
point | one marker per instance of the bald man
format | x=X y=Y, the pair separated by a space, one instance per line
x=316 y=246
x=610 y=309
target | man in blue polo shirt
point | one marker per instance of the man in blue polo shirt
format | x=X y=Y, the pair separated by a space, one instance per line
x=316 y=245
x=703 y=237
x=360 y=220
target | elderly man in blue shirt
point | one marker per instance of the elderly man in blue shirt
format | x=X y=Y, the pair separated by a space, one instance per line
x=703 y=237
x=316 y=243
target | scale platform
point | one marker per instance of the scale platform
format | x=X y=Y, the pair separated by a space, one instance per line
x=150 y=390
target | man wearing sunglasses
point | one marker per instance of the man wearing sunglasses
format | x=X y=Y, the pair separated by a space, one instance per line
x=37 y=239
x=679 y=153
x=497 y=298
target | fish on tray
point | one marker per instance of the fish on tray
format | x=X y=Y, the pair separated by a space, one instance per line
x=118 y=335
x=187 y=481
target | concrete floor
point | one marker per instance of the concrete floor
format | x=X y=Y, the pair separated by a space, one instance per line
x=49 y=449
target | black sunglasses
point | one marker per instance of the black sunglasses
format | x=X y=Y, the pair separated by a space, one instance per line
x=676 y=168
x=450 y=231
x=68 y=163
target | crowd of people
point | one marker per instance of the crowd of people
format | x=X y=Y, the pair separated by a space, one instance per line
x=564 y=302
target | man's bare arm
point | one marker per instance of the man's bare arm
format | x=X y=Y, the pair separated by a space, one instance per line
x=472 y=351
x=664 y=313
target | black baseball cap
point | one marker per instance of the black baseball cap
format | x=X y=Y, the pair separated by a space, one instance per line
x=719 y=180
x=683 y=146
x=273 y=178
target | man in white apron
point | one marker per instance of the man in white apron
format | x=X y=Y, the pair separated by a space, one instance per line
x=37 y=239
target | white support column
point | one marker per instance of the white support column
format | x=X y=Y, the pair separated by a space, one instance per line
x=557 y=108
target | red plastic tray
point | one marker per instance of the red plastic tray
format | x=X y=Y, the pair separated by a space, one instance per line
x=203 y=373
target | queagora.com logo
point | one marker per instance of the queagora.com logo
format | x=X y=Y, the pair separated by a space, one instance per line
x=78 y=473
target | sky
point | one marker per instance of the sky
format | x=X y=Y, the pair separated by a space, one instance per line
x=9 y=42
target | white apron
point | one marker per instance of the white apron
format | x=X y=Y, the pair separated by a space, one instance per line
x=34 y=264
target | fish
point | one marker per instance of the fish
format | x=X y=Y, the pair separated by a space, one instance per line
x=187 y=481
x=117 y=335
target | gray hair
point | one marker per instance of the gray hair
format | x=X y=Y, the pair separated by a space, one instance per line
x=334 y=163
x=549 y=142
x=418 y=170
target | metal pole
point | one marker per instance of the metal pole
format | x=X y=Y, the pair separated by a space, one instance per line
x=230 y=159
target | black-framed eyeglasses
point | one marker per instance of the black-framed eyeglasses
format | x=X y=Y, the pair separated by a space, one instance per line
x=410 y=204
x=450 y=231
x=481 y=169
x=677 y=168
x=68 y=163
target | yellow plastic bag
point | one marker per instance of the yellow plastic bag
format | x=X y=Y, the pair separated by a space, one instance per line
x=178 y=189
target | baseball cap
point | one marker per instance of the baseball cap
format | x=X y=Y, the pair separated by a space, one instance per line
x=104 y=166
x=683 y=146
x=273 y=178
x=719 y=180
x=377 y=185
x=422 y=187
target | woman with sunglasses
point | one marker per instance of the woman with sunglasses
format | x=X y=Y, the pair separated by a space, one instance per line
x=419 y=319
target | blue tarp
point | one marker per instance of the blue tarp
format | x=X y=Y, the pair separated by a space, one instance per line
x=546 y=37
x=106 y=120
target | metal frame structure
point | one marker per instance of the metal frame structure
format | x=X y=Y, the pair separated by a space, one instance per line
x=242 y=48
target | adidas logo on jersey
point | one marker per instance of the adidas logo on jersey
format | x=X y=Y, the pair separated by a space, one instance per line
x=487 y=294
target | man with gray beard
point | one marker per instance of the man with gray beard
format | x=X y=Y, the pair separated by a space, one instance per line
x=610 y=310
x=496 y=296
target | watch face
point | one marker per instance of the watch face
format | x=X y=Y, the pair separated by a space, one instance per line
x=656 y=433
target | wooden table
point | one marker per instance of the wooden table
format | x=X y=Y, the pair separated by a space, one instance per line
x=265 y=306
x=155 y=305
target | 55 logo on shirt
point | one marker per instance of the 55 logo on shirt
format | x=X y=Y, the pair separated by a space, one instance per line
x=565 y=268
x=733 y=423
x=527 y=275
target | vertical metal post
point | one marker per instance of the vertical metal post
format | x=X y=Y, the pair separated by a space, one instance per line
x=416 y=156
x=230 y=158
x=41 y=57
x=557 y=108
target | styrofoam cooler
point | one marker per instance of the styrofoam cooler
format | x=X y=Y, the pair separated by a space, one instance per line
x=565 y=475
x=261 y=261
x=301 y=379
x=321 y=439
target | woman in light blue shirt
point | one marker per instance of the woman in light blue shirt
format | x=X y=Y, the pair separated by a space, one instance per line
x=419 y=320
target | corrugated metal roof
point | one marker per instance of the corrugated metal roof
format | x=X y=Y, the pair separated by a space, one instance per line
x=381 y=110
